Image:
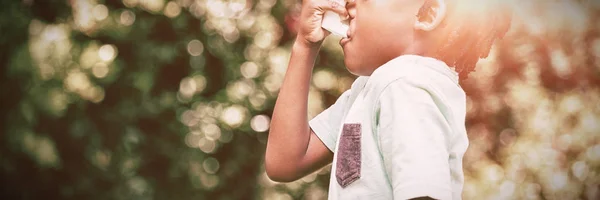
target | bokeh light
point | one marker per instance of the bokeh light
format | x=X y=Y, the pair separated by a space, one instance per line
x=226 y=137
x=153 y=6
x=82 y=11
x=127 y=18
x=234 y=115
x=131 y=3
x=188 y=87
x=209 y=181
x=195 y=47
x=77 y=81
x=250 y=70
x=100 y=70
x=200 y=83
x=260 y=123
x=211 y=131
x=324 y=80
x=100 y=12
x=239 y=90
x=107 y=52
x=258 y=100
x=206 y=145
x=42 y=148
x=192 y=140
x=172 y=9
x=211 y=165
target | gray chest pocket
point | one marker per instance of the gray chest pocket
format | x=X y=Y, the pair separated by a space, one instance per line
x=348 y=158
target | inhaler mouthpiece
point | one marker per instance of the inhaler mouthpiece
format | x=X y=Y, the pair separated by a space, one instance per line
x=333 y=23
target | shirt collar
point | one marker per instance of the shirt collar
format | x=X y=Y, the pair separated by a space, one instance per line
x=429 y=62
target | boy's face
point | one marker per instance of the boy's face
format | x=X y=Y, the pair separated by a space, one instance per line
x=380 y=30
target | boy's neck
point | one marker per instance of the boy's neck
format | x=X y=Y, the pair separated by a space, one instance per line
x=421 y=47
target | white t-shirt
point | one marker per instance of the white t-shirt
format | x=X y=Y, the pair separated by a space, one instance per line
x=398 y=134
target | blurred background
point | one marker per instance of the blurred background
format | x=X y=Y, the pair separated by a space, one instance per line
x=171 y=99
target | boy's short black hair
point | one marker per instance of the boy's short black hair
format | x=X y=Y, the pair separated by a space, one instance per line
x=469 y=31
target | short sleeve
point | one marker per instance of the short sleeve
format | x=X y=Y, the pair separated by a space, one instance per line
x=326 y=124
x=412 y=137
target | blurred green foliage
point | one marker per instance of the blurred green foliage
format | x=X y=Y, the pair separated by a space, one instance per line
x=157 y=99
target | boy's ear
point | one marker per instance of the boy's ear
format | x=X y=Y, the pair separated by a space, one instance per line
x=431 y=15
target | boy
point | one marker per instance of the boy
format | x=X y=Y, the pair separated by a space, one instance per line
x=399 y=132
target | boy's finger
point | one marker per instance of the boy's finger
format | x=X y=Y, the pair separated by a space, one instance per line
x=336 y=7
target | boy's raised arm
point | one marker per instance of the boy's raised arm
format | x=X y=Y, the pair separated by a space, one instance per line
x=290 y=137
x=293 y=150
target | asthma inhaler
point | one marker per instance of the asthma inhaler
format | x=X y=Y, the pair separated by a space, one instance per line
x=334 y=23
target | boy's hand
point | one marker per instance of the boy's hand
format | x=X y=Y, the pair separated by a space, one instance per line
x=311 y=17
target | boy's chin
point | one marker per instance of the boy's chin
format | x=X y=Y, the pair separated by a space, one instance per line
x=357 y=68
